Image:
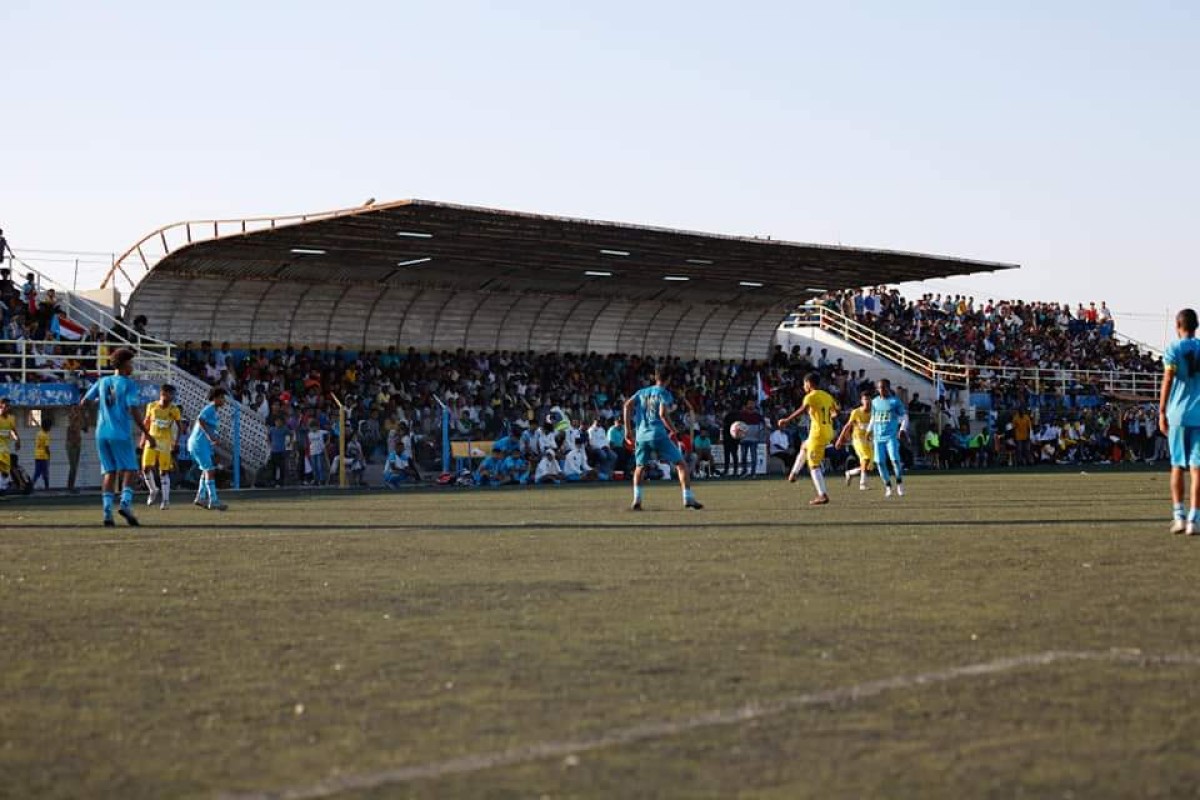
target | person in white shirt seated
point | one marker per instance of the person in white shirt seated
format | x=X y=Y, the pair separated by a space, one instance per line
x=576 y=466
x=780 y=446
x=598 y=450
x=548 y=470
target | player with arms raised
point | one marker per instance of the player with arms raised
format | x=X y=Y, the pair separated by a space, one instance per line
x=859 y=428
x=1179 y=418
x=889 y=424
x=165 y=422
x=822 y=410
x=647 y=414
x=118 y=396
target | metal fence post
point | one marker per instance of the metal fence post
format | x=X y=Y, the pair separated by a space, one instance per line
x=237 y=446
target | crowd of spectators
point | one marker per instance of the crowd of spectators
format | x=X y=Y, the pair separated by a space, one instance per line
x=998 y=338
x=1104 y=435
x=394 y=401
x=556 y=417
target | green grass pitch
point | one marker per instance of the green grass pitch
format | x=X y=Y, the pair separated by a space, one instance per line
x=311 y=646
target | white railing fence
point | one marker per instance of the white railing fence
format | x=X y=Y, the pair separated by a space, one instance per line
x=30 y=361
x=239 y=424
x=877 y=344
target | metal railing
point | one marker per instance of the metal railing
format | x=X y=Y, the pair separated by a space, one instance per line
x=30 y=361
x=1066 y=381
x=90 y=313
x=138 y=260
x=877 y=344
x=1118 y=382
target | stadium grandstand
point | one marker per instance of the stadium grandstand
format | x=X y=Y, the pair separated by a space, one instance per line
x=429 y=323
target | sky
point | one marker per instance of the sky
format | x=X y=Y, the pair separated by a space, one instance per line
x=1057 y=135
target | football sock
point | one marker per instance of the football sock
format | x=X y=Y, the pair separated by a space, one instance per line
x=637 y=494
x=202 y=490
x=127 y=497
x=884 y=475
x=106 y=500
x=801 y=458
x=213 y=500
x=1178 y=511
x=855 y=471
x=1194 y=515
x=862 y=478
x=148 y=475
x=818 y=479
x=166 y=489
x=688 y=497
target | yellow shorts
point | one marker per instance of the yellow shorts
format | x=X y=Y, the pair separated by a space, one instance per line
x=5 y=463
x=818 y=439
x=159 y=457
x=865 y=452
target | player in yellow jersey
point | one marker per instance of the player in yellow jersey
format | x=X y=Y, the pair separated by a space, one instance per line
x=859 y=429
x=9 y=440
x=165 y=422
x=41 y=452
x=822 y=410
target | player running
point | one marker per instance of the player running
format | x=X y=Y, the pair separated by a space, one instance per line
x=1179 y=418
x=822 y=410
x=859 y=427
x=889 y=424
x=649 y=409
x=118 y=396
x=200 y=445
x=165 y=422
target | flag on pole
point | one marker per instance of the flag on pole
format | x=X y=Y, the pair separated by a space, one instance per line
x=63 y=327
x=764 y=390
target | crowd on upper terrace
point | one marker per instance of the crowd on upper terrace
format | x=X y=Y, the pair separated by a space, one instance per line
x=996 y=337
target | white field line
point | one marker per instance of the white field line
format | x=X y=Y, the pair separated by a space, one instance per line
x=656 y=730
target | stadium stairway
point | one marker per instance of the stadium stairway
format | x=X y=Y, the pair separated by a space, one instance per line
x=238 y=424
x=860 y=347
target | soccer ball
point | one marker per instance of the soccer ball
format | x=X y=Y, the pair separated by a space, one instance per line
x=739 y=429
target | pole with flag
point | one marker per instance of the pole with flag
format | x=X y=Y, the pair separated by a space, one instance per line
x=763 y=390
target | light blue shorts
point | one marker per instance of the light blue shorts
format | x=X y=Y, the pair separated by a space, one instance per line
x=116 y=455
x=1185 y=446
x=202 y=454
x=661 y=445
x=887 y=449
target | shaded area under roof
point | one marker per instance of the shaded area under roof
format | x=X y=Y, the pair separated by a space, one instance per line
x=438 y=275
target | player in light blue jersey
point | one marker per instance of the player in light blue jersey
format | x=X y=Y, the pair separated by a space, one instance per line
x=649 y=432
x=1179 y=418
x=117 y=396
x=889 y=424
x=200 y=444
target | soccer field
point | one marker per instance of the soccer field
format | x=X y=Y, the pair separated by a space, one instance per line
x=999 y=635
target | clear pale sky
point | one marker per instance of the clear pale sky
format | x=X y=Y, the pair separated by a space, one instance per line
x=1062 y=136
